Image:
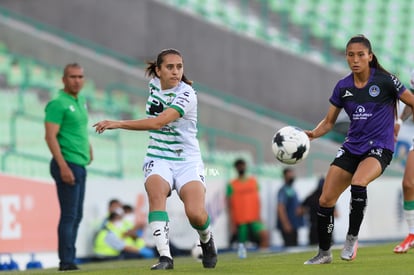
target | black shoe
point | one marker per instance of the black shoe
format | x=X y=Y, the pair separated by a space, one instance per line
x=209 y=253
x=164 y=263
x=68 y=267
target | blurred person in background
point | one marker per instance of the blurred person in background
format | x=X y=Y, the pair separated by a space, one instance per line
x=408 y=181
x=369 y=95
x=173 y=160
x=66 y=134
x=288 y=210
x=113 y=205
x=111 y=244
x=243 y=200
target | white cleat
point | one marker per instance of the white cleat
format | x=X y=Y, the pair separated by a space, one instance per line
x=323 y=257
x=349 y=251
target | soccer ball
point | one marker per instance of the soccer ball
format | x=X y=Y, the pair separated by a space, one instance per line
x=197 y=252
x=290 y=145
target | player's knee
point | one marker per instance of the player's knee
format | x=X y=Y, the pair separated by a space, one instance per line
x=194 y=215
x=408 y=184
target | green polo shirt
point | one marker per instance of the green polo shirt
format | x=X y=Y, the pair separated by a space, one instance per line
x=72 y=116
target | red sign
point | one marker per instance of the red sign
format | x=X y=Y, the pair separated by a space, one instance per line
x=29 y=214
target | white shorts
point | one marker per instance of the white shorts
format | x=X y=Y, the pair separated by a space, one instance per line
x=176 y=173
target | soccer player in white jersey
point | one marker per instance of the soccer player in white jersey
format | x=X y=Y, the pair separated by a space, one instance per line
x=407 y=182
x=173 y=159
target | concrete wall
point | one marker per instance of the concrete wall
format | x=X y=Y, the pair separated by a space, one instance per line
x=213 y=56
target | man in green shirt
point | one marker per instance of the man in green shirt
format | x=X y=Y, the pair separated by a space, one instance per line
x=66 y=134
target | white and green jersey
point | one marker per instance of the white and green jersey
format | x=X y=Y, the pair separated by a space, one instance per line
x=177 y=140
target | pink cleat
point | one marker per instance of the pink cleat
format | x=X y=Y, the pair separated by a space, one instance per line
x=405 y=245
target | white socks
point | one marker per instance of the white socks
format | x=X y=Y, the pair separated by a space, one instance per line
x=160 y=231
x=409 y=216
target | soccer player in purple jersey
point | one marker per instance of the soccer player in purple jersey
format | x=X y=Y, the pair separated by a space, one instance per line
x=369 y=95
x=407 y=182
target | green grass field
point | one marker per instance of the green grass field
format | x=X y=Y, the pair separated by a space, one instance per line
x=376 y=259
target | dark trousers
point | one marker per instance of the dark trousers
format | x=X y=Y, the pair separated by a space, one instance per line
x=71 y=199
x=291 y=238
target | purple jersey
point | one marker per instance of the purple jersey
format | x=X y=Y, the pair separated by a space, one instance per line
x=371 y=110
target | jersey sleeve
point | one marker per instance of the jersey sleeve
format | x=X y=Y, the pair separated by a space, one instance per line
x=397 y=85
x=281 y=196
x=229 y=190
x=335 y=98
x=54 y=112
x=185 y=101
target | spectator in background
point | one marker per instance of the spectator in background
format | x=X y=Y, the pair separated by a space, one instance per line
x=66 y=134
x=111 y=244
x=244 y=208
x=132 y=230
x=113 y=205
x=289 y=210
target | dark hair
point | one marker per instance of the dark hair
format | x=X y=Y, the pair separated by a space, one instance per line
x=127 y=208
x=239 y=162
x=150 y=70
x=360 y=38
x=113 y=201
x=71 y=65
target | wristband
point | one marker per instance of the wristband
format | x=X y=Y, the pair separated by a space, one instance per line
x=399 y=121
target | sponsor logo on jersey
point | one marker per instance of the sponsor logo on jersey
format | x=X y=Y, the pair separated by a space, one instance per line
x=374 y=90
x=347 y=93
x=156 y=107
x=360 y=113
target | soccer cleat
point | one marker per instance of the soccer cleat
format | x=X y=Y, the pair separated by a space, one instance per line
x=323 y=257
x=405 y=245
x=209 y=258
x=349 y=251
x=164 y=263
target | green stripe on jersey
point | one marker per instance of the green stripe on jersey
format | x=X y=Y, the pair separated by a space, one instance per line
x=178 y=109
x=161 y=148
x=160 y=99
x=165 y=141
x=154 y=87
x=164 y=133
x=163 y=157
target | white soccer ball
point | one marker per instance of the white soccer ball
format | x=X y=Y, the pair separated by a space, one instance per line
x=290 y=145
x=197 y=252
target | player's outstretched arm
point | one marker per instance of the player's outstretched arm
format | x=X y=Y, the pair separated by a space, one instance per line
x=152 y=123
x=326 y=123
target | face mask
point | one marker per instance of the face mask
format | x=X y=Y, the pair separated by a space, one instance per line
x=129 y=218
x=241 y=172
x=290 y=181
x=118 y=224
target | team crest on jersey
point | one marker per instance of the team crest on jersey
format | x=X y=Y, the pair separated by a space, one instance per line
x=169 y=98
x=374 y=90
